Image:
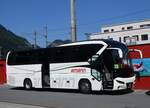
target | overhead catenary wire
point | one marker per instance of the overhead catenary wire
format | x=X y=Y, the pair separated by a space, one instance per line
x=65 y=30
x=133 y=13
x=98 y=21
x=116 y=17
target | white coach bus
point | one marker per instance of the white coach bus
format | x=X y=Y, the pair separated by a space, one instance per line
x=89 y=65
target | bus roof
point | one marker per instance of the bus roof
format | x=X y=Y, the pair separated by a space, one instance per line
x=100 y=41
x=105 y=42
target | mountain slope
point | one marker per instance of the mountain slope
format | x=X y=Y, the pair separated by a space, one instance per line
x=11 y=42
x=58 y=42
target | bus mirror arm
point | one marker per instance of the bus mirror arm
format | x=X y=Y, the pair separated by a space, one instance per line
x=93 y=59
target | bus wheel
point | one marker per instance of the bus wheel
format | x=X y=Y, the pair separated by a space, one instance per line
x=85 y=86
x=27 y=84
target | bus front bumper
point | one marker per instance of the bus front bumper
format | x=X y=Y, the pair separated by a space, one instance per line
x=123 y=83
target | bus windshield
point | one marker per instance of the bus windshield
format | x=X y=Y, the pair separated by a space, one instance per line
x=124 y=66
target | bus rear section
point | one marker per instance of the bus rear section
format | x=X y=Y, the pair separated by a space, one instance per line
x=23 y=70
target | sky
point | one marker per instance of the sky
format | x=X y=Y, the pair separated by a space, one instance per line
x=24 y=17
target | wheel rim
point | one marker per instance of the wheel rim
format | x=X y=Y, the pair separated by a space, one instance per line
x=28 y=84
x=85 y=87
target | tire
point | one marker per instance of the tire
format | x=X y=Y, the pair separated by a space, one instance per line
x=85 y=86
x=27 y=84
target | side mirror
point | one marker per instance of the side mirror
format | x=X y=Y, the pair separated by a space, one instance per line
x=120 y=53
x=93 y=58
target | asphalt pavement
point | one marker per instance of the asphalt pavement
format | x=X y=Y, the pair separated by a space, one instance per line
x=11 y=97
x=13 y=105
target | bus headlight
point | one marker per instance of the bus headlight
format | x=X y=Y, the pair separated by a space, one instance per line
x=121 y=82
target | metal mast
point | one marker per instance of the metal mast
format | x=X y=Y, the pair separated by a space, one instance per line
x=35 y=42
x=73 y=21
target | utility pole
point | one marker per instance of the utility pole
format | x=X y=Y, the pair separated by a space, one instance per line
x=35 y=39
x=46 y=35
x=73 y=21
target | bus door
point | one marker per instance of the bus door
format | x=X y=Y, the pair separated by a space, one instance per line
x=111 y=57
x=45 y=75
x=96 y=67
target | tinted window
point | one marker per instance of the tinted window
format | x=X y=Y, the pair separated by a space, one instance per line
x=126 y=38
x=77 y=53
x=65 y=54
x=123 y=28
x=129 y=28
x=112 y=30
x=11 y=58
x=105 y=31
x=144 y=37
x=24 y=57
x=136 y=37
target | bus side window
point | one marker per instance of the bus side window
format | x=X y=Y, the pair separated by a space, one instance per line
x=12 y=59
x=96 y=74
